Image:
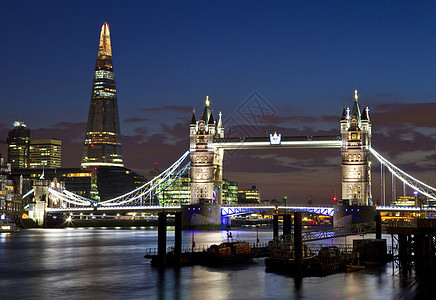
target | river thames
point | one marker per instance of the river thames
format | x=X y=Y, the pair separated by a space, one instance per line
x=109 y=263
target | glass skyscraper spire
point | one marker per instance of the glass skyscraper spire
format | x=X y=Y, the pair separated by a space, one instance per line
x=102 y=141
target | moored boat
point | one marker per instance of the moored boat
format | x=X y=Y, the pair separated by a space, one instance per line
x=233 y=252
x=282 y=259
x=8 y=226
x=354 y=268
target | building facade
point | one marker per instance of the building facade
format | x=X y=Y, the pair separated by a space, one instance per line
x=10 y=201
x=46 y=153
x=99 y=183
x=249 y=196
x=102 y=145
x=179 y=193
x=18 y=145
x=230 y=192
x=405 y=201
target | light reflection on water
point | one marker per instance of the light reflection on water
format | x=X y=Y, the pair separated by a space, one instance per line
x=109 y=263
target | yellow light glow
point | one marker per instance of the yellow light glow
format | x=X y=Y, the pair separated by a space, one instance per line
x=79 y=175
x=207 y=101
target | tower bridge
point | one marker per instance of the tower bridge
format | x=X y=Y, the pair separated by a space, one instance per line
x=204 y=159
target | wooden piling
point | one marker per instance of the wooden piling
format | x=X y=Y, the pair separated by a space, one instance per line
x=162 y=239
x=298 y=240
x=287 y=224
x=178 y=239
x=378 y=226
x=275 y=226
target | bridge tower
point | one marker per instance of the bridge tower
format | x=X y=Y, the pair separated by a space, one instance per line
x=43 y=199
x=206 y=161
x=356 y=163
x=206 y=171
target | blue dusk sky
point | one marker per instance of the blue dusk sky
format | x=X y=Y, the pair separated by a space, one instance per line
x=303 y=59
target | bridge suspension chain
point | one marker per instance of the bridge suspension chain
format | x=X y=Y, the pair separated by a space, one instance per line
x=407 y=179
x=68 y=198
x=143 y=193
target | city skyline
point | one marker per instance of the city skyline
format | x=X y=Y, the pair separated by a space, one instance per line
x=304 y=59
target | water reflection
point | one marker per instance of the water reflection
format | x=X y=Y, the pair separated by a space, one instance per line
x=109 y=263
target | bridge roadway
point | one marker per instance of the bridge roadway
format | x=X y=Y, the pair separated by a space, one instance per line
x=229 y=210
x=225 y=210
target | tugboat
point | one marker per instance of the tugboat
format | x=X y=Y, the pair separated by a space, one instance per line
x=229 y=252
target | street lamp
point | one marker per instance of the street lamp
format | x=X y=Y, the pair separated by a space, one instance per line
x=284 y=199
x=416 y=198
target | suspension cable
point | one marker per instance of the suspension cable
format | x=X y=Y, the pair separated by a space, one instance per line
x=407 y=179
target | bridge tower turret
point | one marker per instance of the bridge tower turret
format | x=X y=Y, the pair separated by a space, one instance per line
x=218 y=156
x=356 y=163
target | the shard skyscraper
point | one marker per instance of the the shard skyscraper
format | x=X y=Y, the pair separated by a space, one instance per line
x=102 y=141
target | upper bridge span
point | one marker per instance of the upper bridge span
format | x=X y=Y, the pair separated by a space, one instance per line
x=284 y=142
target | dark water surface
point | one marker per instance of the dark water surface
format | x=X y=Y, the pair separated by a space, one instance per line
x=110 y=264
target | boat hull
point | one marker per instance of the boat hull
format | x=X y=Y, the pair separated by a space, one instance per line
x=217 y=260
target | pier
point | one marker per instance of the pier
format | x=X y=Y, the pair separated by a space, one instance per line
x=288 y=253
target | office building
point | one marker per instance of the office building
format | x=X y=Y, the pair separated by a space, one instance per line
x=45 y=153
x=102 y=140
x=18 y=145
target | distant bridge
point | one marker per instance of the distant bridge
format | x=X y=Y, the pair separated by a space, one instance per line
x=231 y=210
x=228 y=211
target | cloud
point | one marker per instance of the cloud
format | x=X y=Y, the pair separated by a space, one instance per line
x=384 y=98
x=135 y=120
x=401 y=114
x=140 y=155
x=142 y=131
x=177 y=132
x=173 y=108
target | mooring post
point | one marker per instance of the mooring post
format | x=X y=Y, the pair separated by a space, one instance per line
x=275 y=226
x=378 y=226
x=403 y=250
x=287 y=224
x=162 y=238
x=298 y=240
x=420 y=258
x=178 y=238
